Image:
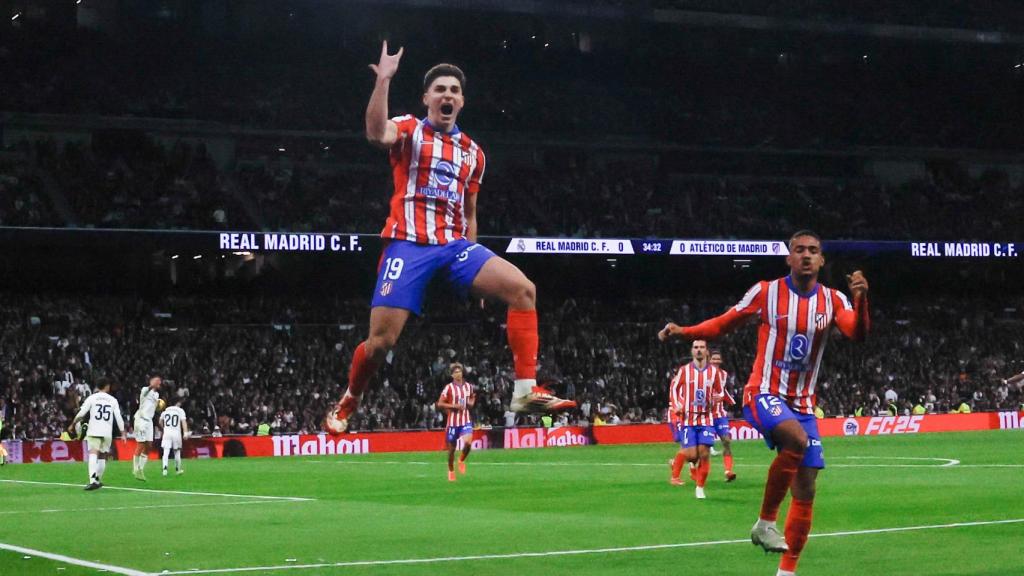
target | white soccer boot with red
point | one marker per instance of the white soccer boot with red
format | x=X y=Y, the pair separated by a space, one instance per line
x=336 y=421
x=540 y=400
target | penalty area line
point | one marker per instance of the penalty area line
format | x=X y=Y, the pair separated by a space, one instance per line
x=583 y=551
x=74 y=561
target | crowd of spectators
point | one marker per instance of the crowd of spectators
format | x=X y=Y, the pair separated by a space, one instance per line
x=244 y=361
x=145 y=185
x=702 y=88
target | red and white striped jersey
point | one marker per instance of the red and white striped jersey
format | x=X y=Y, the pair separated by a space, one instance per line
x=718 y=409
x=458 y=394
x=794 y=329
x=432 y=172
x=692 y=390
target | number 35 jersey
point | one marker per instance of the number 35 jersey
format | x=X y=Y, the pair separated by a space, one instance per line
x=103 y=411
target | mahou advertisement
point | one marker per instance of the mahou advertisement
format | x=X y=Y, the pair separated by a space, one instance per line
x=288 y=445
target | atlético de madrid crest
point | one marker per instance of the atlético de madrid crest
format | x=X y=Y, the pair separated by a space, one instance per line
x=819 y=321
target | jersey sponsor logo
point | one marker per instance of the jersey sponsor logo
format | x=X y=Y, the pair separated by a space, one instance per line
x=791 y=366
x=438 y=193
x=799 y=346
x=851 y=427
x=444 y=173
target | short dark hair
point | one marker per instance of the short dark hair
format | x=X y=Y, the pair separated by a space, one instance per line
x=714 y=351
x=804 y=232
x=103 y=382
x=444 y=69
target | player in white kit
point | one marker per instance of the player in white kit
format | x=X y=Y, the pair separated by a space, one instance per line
x=174 y=429
x=103 y=411
x=148 y=398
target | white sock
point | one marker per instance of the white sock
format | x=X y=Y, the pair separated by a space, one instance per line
x=143 y=458
x=92 y=468
x=782 y=572
x=101 y=467
x=524 y=387
x=167 y=453
x=762 y=523
x=177 y=459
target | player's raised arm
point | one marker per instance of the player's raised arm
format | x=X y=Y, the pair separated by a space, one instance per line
x=380 y=130
x=855 y=322
x=718 y=326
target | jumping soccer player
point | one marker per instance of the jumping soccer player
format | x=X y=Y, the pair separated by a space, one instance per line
x=456 y=400
x=796 y=315
x=174 y=429
x=721 y=416
x=148 y=397
x=694 y=389
x=437 y=171
x=103 y=411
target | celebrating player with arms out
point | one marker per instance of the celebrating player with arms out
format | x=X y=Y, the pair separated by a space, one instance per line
x=695 y=388
x=456 y=399
x=721 y=416
x=437 y=171
x=796 y=315
x=103 y=411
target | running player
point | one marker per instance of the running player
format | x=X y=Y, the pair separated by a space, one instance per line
x=722 y=417
x=456 y=400
x=148 y=397
x=796 y=315
x=694 y=389
x=437 y=171
x=103 y=411
x=174 y=428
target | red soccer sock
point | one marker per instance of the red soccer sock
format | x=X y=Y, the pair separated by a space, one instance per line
x=523 y=340
x=703 y=469
x=677 y=464
x=728 y=463
x=798 y=527
x=363 y=368
x=780 y=477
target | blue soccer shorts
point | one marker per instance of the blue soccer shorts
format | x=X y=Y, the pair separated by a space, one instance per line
x=766 y=412
x=722 y=427
x=406 y=269
x=453 y=433
x=697 y=435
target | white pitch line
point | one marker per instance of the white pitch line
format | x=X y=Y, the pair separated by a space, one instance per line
x=946 y=462
x=74 y=561
x=582 y=552
x=152 y=491
x=109 y=508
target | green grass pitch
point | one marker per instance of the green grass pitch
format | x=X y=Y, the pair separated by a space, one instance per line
x=593 y=510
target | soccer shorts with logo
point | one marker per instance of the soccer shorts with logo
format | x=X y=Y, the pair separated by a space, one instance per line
x=697 y=435
x=406 y=269
x=765 y=412
x=98 y=443
x=453 y=433
x=722 y=427
x=171 y=440
x=143 y=430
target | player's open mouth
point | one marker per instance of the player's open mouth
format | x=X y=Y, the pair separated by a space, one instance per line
x=447 y=109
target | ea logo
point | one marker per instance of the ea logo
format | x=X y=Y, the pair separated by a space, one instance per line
x=444 y=173
x=851 y=427
x=798 y=347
